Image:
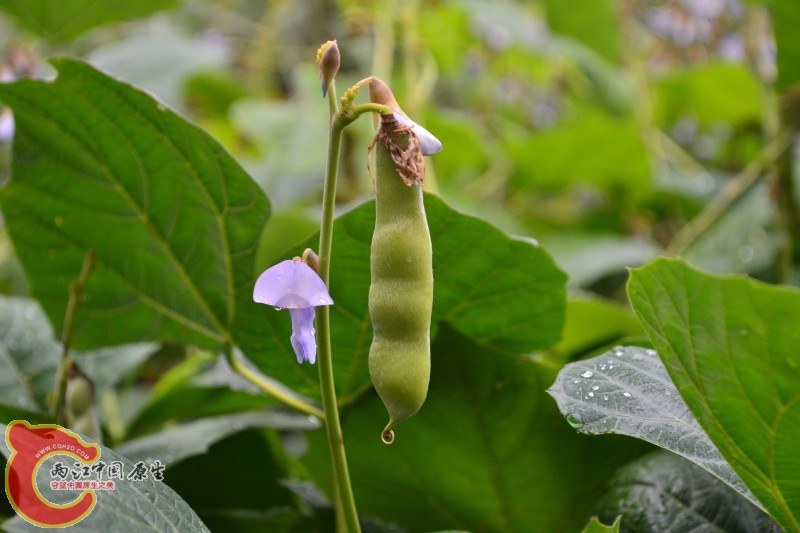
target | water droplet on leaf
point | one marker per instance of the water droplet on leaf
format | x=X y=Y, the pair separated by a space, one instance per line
x=574 y=421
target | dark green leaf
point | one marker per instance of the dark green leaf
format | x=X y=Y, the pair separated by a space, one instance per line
x=11 y=412
x=730 y=346
x=245 y=466
x=488 y=286
x=172 y=217
x=485 y=453
x=627 y=391
x=662 y=492
x=134 y=506
x=62 y=20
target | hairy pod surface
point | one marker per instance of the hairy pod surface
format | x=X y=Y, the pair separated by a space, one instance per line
x=401 y=291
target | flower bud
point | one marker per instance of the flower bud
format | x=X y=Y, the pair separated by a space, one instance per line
x=329 y=60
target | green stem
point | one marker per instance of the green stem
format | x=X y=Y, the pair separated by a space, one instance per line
x=333 y=106
x=348 y=115
x=341 y=476
x=75 y=295
x=732 y=191
x=270 y=388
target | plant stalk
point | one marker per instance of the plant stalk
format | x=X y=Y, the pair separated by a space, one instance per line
x=75 y=295
x=346 y=511
x=732 y=191
x=270 y=388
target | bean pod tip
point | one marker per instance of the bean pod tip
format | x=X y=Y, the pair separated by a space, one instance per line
x=387 y=437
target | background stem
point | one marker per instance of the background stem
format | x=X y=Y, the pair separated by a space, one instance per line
x=732 y=191
x=75 y=296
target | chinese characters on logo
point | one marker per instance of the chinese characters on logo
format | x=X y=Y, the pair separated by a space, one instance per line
x=102 y=474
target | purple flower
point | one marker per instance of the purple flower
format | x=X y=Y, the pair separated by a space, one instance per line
x=294 y=285
x=6 y=125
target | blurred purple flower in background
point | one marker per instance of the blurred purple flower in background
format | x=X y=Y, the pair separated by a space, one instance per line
x=6 y=125
x=294 y=285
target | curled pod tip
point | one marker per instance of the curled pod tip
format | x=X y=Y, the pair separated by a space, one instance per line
x=387 y=437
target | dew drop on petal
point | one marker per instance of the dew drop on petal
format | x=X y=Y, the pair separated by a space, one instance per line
x=626 y=394
x=587 y=374
x=595 y=387
x=591 y=395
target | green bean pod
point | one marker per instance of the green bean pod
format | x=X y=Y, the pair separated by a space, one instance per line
x=401 y=292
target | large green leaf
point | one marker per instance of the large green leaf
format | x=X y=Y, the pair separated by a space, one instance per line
x=490 y=287
x=662 y=492
x=730 y=346
x=173 y=219
x=252 y=477
x=627 y=391
x=134 y=506
x=487 y=451
x=61 y=20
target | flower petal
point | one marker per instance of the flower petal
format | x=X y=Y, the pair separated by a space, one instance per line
x=430 y=144
x=303 y=340
x=291 y=284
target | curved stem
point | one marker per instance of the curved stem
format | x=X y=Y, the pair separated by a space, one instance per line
x=348 y=115
x=270 y=388
x=341 y=476
x=732 y=191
